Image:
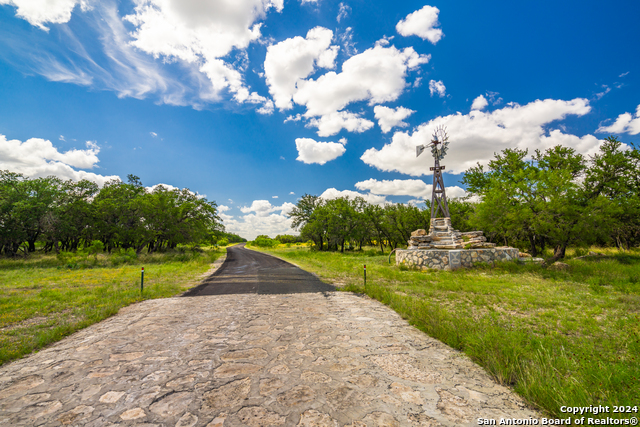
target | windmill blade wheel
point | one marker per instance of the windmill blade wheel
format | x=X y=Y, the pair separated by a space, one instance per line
x=440 y=135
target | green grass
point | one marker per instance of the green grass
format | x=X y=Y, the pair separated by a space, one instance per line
x=44 y=298
x=557 y=338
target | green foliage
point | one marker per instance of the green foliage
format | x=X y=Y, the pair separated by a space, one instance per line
x=122 y=256
x=349 y=223
x=288 y=238
x=95 y=248
x=223 y=242
x=263 y=241
x=73 y=216
x=233 y=238
x=558 y=198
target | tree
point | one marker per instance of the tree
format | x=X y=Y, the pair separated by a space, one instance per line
x=614 y=174
x=401 y=220
x=543 y=201
x=375 y=221
x=172 y=217
x=67 y=214
x=12 y=192
x=310 y=219
x=118 y=214
x=509 y=202
x=289 y=238
x=72 y=218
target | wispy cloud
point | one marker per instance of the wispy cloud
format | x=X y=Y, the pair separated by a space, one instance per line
x=124 y=63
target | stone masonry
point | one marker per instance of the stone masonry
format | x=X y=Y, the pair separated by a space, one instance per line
x=316 y=359
x=445 y=248
x=443 y=236
x=452 y=259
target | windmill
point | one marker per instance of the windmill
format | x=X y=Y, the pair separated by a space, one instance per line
x=439 y=146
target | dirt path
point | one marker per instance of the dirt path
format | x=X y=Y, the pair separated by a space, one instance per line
x=307 y=359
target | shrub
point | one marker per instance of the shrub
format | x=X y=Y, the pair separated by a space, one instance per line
x=123 y=256
x=263 y=241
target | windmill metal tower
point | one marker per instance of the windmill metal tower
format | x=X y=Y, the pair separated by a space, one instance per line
x=439 y=144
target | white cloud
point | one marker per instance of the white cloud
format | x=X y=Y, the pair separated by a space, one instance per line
x=225 y=218
x=376 y=75
x=294 y=59
x=331 y=124
x=343 y=12
x=605 y=90
x=274 y=197
x=38 y=157
x=264 y=208
x=405 y=187
x=121 y=67
x=389 y=118
x=170 y=187
x=332 y=193
x=223 y=208
x=153 y=134
x=194 y=30
x=311 y=151
x=348 y=45
x=421 y=23
x=250 y=226
x=40 y=12
x=437 y=87
x=295 y=118
x=200 y=34
x=265 y=219
x=476 y=136
x=494 y=98
x=625 y=123
x=277 y=4
x=479 y=103
x=291 y=193
x=260 y=207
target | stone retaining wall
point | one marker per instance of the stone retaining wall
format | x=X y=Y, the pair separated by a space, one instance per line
x=450 y=260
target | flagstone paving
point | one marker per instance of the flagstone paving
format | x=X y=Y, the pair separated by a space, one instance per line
x=312 y=359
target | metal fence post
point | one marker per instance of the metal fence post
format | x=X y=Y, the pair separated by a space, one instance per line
x=365 y=278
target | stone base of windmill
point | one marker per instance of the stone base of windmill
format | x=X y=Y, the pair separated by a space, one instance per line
x=445 y=248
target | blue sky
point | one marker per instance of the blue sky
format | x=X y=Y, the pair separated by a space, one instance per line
x=255 y=102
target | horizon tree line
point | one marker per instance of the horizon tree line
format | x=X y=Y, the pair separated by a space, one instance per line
x=556 y=199
x=67 y=215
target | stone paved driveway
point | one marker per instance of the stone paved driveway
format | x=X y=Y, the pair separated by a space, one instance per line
x=315 y=359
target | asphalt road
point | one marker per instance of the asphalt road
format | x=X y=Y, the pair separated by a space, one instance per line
x=250 y=272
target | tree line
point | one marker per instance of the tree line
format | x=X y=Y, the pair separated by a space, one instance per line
x=68 y=215
x=555 y=199
x=349 y=223
x=560 y=198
